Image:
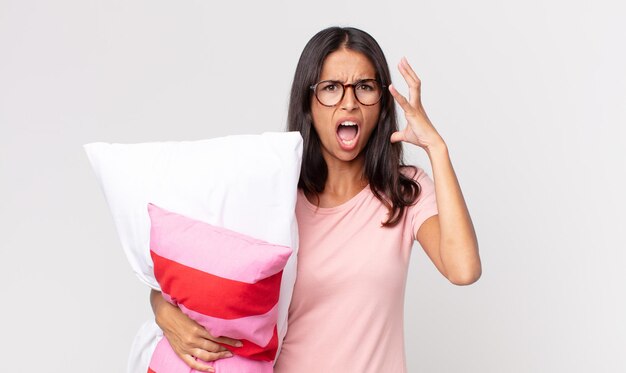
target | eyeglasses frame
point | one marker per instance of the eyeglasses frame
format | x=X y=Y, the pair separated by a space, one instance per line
x=345 y=86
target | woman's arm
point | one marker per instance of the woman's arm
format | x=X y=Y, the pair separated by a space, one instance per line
x=188 y=338
x=449 y=238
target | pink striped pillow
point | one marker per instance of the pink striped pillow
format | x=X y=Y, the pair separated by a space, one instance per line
x=226 y=281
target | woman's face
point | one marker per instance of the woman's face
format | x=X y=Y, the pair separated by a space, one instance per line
x=345 y=128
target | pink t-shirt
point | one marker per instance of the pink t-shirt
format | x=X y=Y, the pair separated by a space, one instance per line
x=346 y=314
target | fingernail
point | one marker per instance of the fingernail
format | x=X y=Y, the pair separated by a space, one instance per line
x=238 y=344
x=228 y=354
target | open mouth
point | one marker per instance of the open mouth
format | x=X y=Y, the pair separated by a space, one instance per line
x=347 y=132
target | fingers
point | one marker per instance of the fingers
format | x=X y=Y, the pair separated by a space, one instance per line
x=401 y=100
x=211 y=356
x=409 y=69
x=194 y=364
x=191 y=340
x=208 y=345
x=194 y=345
x=412 y=81
x=397 y=137
x=198 y=356
x=225 y=340
x=228 y=341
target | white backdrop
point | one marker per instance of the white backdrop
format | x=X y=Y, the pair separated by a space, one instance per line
x=530 y=97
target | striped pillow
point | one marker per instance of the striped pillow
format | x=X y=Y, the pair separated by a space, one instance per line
x=226 y=281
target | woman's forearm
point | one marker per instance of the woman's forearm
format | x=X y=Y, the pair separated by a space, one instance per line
x=155 y=300
x=458 y=245
x=159 y=307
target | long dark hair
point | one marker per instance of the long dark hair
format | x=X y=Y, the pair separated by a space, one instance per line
x=383 y=160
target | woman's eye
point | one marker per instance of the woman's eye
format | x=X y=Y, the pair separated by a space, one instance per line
x=330 y=87
x=365 y=86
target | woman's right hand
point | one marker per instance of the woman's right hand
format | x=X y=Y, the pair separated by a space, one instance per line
x=188 y=339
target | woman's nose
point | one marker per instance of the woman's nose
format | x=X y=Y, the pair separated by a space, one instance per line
x=349 y=101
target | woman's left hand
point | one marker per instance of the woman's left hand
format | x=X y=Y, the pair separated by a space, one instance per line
x=419 y=130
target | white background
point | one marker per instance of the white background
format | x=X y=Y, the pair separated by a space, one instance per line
x=530 y=97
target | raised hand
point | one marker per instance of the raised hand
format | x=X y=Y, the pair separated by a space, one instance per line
x=419 y=130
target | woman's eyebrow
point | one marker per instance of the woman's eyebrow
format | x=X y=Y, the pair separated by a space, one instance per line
x=358 y=79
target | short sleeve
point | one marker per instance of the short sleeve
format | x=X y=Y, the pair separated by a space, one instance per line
x=426 y=204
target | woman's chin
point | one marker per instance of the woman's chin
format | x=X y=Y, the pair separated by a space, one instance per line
x=342 y=155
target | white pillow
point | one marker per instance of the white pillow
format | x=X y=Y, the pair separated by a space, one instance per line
x=245 y=183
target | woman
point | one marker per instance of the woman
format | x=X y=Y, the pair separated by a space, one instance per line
x=359 y=210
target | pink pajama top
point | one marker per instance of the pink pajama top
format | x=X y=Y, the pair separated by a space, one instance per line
x=346 y=314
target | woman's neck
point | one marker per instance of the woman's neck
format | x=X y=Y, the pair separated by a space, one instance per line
x=344 y=181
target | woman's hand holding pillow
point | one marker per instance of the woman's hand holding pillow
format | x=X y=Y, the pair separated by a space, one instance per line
x=188 y=338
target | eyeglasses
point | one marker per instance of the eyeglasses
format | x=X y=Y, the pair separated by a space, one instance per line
x=330 y=92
